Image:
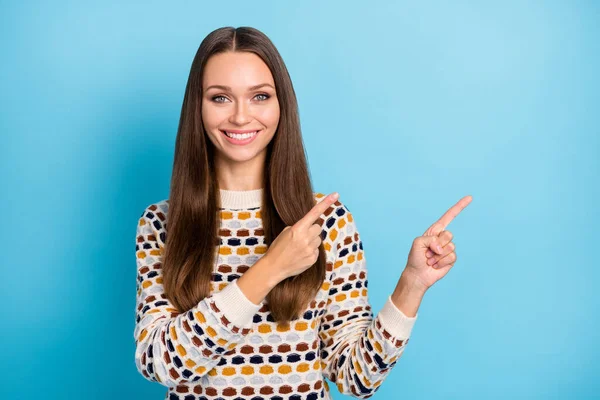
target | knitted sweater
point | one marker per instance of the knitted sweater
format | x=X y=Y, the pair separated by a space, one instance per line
x=227 y=347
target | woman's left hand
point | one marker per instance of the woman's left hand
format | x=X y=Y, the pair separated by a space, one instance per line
x=427 y=262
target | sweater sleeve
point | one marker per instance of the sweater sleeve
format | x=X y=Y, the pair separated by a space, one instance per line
x=172 y=347
x=357 y=350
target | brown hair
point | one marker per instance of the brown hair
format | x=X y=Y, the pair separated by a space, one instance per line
x=193 y=217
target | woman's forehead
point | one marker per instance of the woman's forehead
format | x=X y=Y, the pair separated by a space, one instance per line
x=237 y=70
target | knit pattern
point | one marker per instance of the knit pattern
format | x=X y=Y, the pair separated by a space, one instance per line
x=227 y=347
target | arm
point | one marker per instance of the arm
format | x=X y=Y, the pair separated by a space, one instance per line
x=408 y=295
x=173 y=348
x=358 y=351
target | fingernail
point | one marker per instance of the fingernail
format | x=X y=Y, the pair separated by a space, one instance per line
x=439 y=248
x=335 y=195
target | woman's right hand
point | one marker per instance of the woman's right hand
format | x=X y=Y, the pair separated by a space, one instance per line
x=296 y=248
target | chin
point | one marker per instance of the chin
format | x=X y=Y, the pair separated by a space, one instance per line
x=240 y=156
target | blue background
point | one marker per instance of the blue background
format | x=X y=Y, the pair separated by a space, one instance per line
x=405 y=108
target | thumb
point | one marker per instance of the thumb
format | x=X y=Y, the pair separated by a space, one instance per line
x=433 y=243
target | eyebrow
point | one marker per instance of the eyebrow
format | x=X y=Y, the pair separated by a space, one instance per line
x=229 y=89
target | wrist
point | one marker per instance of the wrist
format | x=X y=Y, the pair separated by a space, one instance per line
x=267 y=272
x=258 y=281
x=408 y=294
x=411 y=284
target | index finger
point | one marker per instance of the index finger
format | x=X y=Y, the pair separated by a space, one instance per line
x=449 y=215
x=317 y=210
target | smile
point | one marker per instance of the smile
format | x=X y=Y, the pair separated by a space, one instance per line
x=240 y=138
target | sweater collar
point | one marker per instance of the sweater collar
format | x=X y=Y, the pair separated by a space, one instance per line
x=241 y=199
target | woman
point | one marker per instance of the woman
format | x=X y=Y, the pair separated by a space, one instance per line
x=261 y=289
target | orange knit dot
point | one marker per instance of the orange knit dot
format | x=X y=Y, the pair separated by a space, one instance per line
x=284 y=369
x=340 y=297
x=200 y=317
x=266 y=369
x=247 y=370
x=301 y=326
x=200 y=370
x=302 y=367
x=190 y=363
x=243 y=215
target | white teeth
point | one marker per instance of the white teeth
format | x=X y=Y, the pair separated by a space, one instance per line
x=240 y=136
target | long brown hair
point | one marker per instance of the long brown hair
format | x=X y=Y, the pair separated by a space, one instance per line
x=194 y=201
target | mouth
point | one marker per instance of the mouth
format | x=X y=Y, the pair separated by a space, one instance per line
x=243 y=138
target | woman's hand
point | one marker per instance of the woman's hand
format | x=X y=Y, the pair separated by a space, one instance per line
x=296 y=248
x=433 y=254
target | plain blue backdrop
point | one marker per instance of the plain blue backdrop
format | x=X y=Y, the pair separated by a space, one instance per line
x=405 y=107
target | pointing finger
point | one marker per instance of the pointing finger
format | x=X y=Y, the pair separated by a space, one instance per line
x=448 y=216
x=317 y=210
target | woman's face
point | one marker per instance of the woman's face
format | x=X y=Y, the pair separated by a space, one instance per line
x=238 y=96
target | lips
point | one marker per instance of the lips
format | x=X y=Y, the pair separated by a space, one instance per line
x=239 y=130
x=240 y=141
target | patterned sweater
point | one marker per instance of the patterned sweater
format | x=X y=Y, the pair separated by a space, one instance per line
x=227 y=347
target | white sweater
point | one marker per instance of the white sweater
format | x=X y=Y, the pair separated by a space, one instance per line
x=227 y=347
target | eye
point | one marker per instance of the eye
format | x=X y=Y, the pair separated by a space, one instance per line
x=217 y=97
x=265 y=95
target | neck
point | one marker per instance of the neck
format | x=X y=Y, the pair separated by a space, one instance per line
x=240 y=176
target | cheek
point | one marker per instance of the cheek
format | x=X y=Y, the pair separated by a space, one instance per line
x=270 y=115
x=210 y=116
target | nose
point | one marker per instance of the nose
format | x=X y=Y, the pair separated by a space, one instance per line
x=240 y=115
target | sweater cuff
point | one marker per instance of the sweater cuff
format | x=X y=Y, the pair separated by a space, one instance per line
x=235 y=306
x=394 y=320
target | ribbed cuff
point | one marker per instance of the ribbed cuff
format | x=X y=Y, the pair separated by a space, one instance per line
x=235 y=305
x=394 y=320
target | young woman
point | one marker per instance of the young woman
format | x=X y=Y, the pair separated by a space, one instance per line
x=260 y=291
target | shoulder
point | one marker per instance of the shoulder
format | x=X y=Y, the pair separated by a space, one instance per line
x=155 y=214
x=338 y=209
x=338 y=222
